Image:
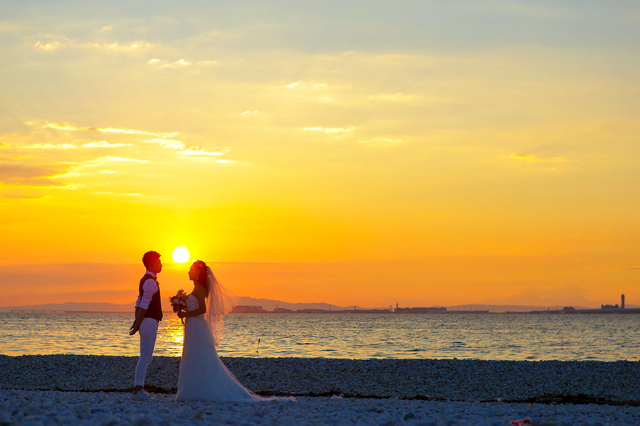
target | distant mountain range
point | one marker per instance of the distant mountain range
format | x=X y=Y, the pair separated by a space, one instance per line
x=266 y=304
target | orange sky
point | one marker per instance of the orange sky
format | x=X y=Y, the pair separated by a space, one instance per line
x=339 y=153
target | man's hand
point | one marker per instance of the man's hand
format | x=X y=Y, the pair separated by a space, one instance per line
x=134 y=329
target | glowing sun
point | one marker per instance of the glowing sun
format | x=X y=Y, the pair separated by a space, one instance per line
x=180 y=254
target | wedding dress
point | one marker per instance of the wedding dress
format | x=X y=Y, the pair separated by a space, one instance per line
x=203 y=376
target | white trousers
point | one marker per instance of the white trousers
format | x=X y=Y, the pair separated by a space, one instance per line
x=148 y=331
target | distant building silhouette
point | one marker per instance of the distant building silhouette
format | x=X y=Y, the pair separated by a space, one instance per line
x=247 y=309
x=622 y=305
x=609 y=307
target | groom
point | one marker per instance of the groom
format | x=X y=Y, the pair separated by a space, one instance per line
x=148 y=314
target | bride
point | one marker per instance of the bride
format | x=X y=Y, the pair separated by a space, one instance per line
x=202 y=373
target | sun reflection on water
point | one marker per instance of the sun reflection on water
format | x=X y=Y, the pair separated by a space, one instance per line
x=364 y=336
x=173 y=336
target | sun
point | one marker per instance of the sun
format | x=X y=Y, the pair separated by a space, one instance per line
x=180 y=254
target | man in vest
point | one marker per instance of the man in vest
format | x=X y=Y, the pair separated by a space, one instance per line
x=148 y=314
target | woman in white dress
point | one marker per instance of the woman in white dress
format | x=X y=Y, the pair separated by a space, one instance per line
x=203 y=376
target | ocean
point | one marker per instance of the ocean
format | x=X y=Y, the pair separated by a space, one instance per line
x=355 y=336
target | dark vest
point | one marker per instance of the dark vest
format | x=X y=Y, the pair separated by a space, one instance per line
x=155 y=307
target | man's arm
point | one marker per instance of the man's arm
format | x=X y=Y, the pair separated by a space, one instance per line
x=140 y=313
x=148 y=290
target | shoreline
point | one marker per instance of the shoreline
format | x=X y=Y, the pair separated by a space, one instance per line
x=409 y=379
x=89 y=389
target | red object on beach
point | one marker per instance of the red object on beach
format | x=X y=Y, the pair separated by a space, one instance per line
x=520 y=422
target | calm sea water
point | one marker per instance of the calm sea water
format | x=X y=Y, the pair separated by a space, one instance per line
x=359 y=336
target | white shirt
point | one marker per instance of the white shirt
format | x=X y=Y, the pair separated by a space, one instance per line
x=149 y=288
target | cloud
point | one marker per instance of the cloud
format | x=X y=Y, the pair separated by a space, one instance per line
x=181 y=148
x=19 y=195
x=106 y=28
x=60 y=126
x=101 y=161
x=23 y=175
x=50 y=146
x=104 y=144
x=166 y=64
x=525 y=157
x=137 y=132
x=63 y=146
x=195 y=151
x=47 y=47
x=550 y=163
x=180 y=63
x=73 y=128
x=167 y=143
x=54 y=42
x=330 y=130
x=118 y=160
x=249 y=113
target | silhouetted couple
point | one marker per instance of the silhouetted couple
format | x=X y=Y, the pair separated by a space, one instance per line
x=203 y=376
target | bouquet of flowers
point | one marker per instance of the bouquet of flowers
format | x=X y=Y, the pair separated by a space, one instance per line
x=179 y=302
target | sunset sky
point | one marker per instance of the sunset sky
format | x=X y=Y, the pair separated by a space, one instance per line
x=359 y=152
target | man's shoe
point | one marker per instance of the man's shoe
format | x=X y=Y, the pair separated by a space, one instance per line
x=141 y=395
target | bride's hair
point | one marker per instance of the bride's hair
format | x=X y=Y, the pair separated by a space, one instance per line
x=202 y=274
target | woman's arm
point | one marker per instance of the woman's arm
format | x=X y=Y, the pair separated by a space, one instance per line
x=202 y=308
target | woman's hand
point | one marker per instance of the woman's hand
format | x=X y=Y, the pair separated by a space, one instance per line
x=182 y=314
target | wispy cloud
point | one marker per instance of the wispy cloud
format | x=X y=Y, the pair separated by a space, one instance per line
x=52 y=42
x=249 y=113
x=50 y=146
x=180 y=63
x=106 y=28
x=61 y=126
x=195 y=151
x=536 y=159
x=137 y=132
x=73 y=128
x=166 y=64
x=104 y=144
x=536 y=163
x=167 y=143
x=119 y=160
x=330 y=130
x=20 y=174
x=47 y=47
x=181 y=148
x=63 y=146
x=524 y=157
x=101 y=161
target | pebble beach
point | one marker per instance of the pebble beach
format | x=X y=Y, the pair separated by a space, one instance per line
x=82 y=389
